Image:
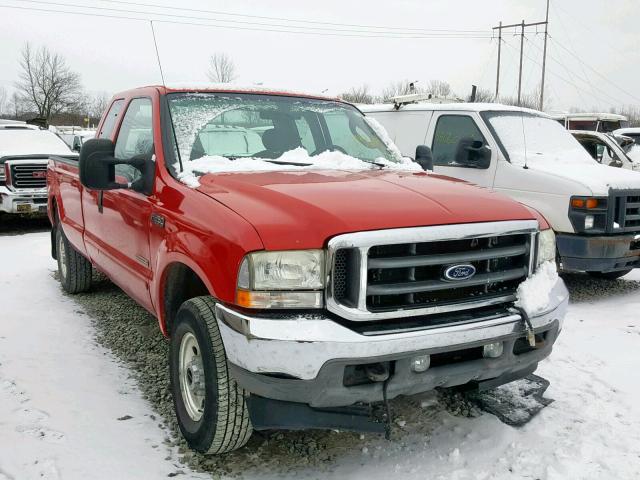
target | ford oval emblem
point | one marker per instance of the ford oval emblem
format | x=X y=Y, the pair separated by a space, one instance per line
x=460 y=272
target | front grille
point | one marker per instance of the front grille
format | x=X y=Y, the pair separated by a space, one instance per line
x=28 y=175
x=411 y=272
x=626 y=210
x=413 y=275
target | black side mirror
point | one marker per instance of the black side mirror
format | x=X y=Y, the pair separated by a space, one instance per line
x=473 y=153
x=424 y=157
x=97 y=167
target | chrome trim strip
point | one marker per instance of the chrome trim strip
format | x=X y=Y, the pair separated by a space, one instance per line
x=365 y=240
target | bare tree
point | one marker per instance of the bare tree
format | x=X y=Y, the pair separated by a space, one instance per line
x=403 y=87
x=3 y=99
x=221 y=68
x=47 y=85
x=98 y=104
x=439 y=88
x=359 y=94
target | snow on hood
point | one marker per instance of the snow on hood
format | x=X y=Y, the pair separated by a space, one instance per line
x=31 y=142
x=334 y=160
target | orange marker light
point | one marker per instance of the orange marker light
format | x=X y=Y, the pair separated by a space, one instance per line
x=577 y=203
x=592 y=202
x=243 y=298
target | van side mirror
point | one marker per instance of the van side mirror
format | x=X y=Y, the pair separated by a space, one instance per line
x=97 y=166
x=424 y=157
x=473 y=153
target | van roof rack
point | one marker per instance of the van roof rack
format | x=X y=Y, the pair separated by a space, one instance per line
x=400 y=100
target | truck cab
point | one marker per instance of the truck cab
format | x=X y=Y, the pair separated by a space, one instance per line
x=594 y=209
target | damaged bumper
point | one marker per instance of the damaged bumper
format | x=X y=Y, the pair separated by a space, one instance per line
x=605 y=253
x=315 y=359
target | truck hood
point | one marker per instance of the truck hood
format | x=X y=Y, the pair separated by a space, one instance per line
x=295 y=210
x=594 y=176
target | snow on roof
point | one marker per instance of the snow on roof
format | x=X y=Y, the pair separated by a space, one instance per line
x=625 y=131
x=31 y=142
x=462 y=107
x=239 y=88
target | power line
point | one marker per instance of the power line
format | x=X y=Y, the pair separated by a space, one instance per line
x=313 y=22
x=182 y=19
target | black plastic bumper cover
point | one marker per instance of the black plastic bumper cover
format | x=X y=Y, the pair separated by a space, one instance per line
x=598 y=253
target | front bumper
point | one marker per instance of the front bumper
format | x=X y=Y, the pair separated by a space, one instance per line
x=303 y=359
x=605 y=253
x=23 y=201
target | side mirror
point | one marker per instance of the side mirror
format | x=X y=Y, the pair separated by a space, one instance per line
x=97 y=167
x=473 y=153
x=424 y=157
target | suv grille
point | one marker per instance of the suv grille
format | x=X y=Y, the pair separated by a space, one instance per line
x=403 y=272
x=626 y=210
x=28 y=175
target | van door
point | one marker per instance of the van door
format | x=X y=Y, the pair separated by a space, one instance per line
x=462 y=147
x=117 y=221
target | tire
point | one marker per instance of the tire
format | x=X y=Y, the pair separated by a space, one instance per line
x=609 y=275
x=74 y=270
x=210 y=406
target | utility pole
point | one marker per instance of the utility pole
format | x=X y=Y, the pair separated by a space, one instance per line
x=520 y=70
x=544 y=56
x=522 y=25
x=498 y=73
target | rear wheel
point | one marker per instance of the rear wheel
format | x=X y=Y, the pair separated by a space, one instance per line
x=209 y=404
x=75 y=271
x=609 y=275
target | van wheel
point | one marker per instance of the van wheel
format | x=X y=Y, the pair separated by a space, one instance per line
x=74 y=270
x=609 y=275
x=210 y=406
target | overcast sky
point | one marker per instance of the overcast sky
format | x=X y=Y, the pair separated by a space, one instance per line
x=116 y=54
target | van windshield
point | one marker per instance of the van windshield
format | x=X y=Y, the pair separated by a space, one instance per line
x=257 y=132
x=529 y=138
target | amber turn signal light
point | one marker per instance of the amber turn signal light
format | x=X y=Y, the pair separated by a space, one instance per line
x=587 y=203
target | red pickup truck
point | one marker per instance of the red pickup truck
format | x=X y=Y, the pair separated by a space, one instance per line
x=300 y=267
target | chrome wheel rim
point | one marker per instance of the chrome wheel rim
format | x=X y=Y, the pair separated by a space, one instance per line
x=191 y=375
x=62 y=258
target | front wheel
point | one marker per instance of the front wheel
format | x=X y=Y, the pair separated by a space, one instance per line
x=609 y=275
x=210 y=406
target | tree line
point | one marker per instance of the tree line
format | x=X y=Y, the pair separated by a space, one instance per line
x=49 y=90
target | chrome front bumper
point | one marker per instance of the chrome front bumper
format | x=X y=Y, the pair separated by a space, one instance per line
x=299 y=347
x=23 y=201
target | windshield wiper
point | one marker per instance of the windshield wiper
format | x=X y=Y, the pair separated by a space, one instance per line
x=283 y=162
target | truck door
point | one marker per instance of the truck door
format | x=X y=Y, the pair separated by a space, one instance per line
x=117 y=221
x=461 y=148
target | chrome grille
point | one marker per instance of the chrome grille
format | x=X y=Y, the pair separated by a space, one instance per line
x=28 y=175
x=400 y=273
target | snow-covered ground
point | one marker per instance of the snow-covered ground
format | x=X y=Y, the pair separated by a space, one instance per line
x=64 y=401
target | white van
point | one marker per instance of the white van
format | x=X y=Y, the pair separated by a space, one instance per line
x=594 y=209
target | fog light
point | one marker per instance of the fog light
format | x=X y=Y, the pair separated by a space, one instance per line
x=420 y=363
x=588 y=222
x=493 y=350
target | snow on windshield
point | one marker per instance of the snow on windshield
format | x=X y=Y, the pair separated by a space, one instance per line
x=324 y=161
x=531 y=139
x=31 y=142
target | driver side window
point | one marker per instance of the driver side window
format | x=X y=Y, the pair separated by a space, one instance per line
x=451 y=139
x=135 y=137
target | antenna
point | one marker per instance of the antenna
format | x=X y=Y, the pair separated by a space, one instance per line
x=155 y=43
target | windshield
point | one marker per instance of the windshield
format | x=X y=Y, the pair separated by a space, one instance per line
x=529 y=138
x=265 y=128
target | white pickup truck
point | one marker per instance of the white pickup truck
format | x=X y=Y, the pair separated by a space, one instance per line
x=24 y=153
x=594 y=209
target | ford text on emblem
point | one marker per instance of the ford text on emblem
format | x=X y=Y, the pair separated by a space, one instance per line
x=459 y=272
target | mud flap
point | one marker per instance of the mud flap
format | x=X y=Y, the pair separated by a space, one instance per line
x=515 y=403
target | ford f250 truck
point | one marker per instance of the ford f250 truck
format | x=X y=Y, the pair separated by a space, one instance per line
x=302 y=269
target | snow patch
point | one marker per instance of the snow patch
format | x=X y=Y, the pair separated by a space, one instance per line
x=533 y=293
x=335 y=160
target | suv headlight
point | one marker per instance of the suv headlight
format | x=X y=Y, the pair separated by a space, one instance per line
x=282 y=279
x=546 y=247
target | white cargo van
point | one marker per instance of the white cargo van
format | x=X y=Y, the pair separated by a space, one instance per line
x=594 y=209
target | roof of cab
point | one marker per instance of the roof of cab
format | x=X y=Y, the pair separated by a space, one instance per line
x=231 y=88
x=460 y=106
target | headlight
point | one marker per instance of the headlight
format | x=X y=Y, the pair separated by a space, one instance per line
x=284 y=279
x=588 y=214
x=546 y=247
